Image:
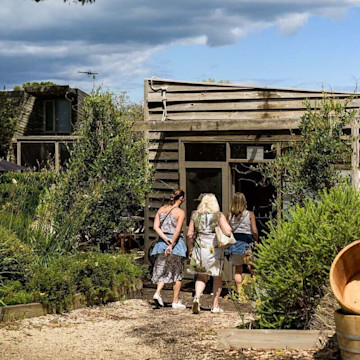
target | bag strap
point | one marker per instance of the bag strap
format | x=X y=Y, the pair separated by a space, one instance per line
x=167 y=214
x=239 y=223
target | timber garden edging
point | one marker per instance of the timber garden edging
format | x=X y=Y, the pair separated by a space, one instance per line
x=266 y=339
x=16 y=312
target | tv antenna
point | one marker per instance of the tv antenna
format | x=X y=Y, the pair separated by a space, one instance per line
x=90 y=73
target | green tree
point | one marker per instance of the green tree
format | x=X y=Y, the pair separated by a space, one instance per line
x=33 y=84
x=310 y=163
x=108 y=168
x=10 y=110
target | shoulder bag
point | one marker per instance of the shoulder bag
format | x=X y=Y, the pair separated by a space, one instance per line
x=224 y=241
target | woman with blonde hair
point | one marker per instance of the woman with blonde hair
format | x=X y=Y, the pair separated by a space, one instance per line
x=243 y=225
x=170 y=249
x=206 y=257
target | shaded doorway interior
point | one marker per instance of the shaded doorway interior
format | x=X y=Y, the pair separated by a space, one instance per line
x=202 y=180
x=259 y=196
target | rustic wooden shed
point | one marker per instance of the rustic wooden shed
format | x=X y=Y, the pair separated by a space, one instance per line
x=48 y=120
x=204 y=136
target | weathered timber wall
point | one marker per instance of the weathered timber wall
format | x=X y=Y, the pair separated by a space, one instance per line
x=219 y=112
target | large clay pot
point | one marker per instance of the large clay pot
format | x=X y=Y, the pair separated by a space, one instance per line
x=345 y=278
x=348 y=335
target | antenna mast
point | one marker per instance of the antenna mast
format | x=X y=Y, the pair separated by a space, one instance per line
x=90 y=73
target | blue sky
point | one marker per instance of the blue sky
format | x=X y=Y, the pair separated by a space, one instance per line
x=276 y=43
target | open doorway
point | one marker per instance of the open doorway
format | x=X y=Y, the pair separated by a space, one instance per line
x=259 y=196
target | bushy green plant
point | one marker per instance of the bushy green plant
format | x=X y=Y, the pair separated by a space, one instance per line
x=293 y=261
x=101 y=276
x=25 y=210
x=21 y=192
x=98 y=276
x=13 y=293
x=9 y=113
x=107 y=167
x=55 y=284
x=16 y=258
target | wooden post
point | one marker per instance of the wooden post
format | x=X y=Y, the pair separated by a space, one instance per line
x=57 y=156
x=147 y=203
x=18 y=153
x=122 y=238
x=355 y=154
x=278 y=195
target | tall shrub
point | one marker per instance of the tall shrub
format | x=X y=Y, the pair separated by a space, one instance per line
x=293 y=262
x=107 y=168
x=309 y=163
x=9 y=113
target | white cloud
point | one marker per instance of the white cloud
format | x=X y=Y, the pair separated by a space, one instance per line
x=291 y=23
x=119 y=38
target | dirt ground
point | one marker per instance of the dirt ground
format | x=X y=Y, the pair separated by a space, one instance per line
x=134 y=329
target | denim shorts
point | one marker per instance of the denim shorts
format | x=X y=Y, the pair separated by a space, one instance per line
x=242 y=245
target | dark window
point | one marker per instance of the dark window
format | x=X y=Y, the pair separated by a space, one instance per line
x=36 y=155
x=63 y=116
x=49 y=116
x=205 y=152
x=252 y=151
x=238 y=151
x=58 y=116
x=269 y=151
x=202 y=181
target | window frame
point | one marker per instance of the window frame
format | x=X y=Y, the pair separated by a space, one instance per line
x=55 y=105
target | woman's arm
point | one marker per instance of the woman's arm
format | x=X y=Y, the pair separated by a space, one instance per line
x=224 y=225
x=228 y=216
x=179 y=217
x=158 y=229
x=190 y=237
x=254 y=230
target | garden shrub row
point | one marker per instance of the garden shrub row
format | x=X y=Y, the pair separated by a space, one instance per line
x=96 y=275
x=293 y=261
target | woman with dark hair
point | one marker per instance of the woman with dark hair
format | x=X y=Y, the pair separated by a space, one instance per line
x=243 y=225
x=170 y=249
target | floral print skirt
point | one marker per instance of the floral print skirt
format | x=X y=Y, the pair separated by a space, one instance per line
x=168 y=269
x=206 y=258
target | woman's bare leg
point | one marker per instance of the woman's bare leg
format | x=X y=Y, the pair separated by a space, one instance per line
x=238 y=277
x=159 y=287
x=217 y=287
x=176 y=288
x=200 y=285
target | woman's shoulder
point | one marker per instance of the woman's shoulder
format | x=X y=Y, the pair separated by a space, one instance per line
x=178 y=212
x=163 y=209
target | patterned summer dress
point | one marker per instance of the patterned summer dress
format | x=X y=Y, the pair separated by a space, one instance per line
x=207 y=258
x=168 y=269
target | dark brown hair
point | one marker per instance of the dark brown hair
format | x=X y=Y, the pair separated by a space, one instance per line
x=175 y=195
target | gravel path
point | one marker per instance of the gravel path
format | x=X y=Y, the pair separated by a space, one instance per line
x=134 y=330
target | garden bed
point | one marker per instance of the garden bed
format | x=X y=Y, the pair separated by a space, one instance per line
x=14 y=312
